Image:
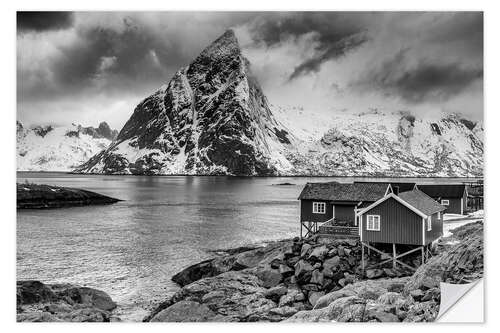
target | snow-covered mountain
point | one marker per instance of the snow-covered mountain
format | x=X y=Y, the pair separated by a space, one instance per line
x=51 y=148
x=213 y=118
x=383 y=143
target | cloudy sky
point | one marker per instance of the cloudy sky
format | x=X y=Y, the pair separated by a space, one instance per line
x=87 y=67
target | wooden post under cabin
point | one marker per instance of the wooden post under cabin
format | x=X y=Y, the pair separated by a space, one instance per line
x=362 y=256
x=423 y=255
x=393 y=255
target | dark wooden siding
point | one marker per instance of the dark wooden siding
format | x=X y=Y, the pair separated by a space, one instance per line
x=454 y=206
x=398 y=224
x=437 y=229
x=344 y=213
x=307 y=215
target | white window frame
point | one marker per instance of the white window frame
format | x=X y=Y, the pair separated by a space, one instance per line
x=319 y=207
x=375 y=222
x=439 y=215
x=445 y=202
x=429 y=223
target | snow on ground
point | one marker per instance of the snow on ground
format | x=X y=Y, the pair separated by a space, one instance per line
x=452 y=221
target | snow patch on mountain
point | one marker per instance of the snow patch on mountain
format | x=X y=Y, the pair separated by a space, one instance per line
x=59 y=148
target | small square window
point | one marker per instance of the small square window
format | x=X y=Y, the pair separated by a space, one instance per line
x=445 y=202
x=319 y=207
x=373 y=222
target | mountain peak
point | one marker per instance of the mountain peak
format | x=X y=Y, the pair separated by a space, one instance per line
x=226 y=46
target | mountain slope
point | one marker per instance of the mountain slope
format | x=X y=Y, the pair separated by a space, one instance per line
x=211 y=118
x=48 y=148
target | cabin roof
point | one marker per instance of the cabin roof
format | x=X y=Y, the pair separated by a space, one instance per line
x=421 y=201
x=443 y=190
x=335 y=191
x=403 y=186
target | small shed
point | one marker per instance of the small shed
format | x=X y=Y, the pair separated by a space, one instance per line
x=411 y=218
x=452 y=196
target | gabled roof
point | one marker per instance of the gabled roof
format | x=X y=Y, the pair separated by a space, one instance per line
x=422 y=202
x=335 y=191
x=403 y=186
x=443 y=190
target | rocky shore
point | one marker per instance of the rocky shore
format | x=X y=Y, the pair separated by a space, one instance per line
x=39 y=302
x=34 y=196
x=319 y=279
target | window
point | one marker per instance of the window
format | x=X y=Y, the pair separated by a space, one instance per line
x=429 y=223
x=439 y=215
x=373 y=222
x=445 y=202
x=319 y=207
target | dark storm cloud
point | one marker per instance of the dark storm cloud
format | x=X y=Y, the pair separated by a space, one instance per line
x=420 y=83
x=335 y=34
x=44 y=21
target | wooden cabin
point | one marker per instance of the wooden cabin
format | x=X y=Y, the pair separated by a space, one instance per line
x=452 y=196
x=335 y=203
x=410 y=218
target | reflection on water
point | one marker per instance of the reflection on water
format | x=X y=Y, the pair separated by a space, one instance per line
x=132 y=248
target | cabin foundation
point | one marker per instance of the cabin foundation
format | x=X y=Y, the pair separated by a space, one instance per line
x=393 y=257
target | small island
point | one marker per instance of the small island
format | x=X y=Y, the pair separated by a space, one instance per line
x=39 y=196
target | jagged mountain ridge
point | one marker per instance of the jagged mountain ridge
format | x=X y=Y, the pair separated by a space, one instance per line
x=213 y=118
x=59 y=148
x=398 y=144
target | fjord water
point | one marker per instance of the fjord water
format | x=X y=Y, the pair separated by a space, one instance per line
x=132 y=248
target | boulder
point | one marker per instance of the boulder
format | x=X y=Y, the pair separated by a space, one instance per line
x=31 y=291
x=88 y=296
x=291 y=297
x=417 y=294
x=317 y=277
x=374 y=273
x=340 y=251
x=331 y=264
x=185 y=311
x=305 y=249
x=269 y=277
x=327 y=299
x=314 y=296
x=275 y=293
x=302 y=267
x=235 y=296
x=318 y=253
x=285 y=311
x=285 y=270
x=345 y=309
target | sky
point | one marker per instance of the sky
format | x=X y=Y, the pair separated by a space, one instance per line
x=87 y=67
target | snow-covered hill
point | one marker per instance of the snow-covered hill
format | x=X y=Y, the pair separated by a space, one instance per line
x=213 y=118
x=50 y=148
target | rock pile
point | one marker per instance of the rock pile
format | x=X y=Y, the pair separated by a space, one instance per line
x=38 y=302
x=285 y=277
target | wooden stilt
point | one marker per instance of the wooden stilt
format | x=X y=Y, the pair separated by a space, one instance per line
x=422 y=255
x=363 y=256
x=393 y=255
x=301 y=224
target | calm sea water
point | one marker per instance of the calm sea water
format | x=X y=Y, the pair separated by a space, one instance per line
x=132 y=248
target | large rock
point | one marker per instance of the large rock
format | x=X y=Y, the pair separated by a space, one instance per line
x=331 y=264
x=318 y=253
x=185 y=311
x=88 y=296
x=62 y=302
x=345 y=309
x=269 y=277
x=31 y=291
x=302 y=267
x=232 y=296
